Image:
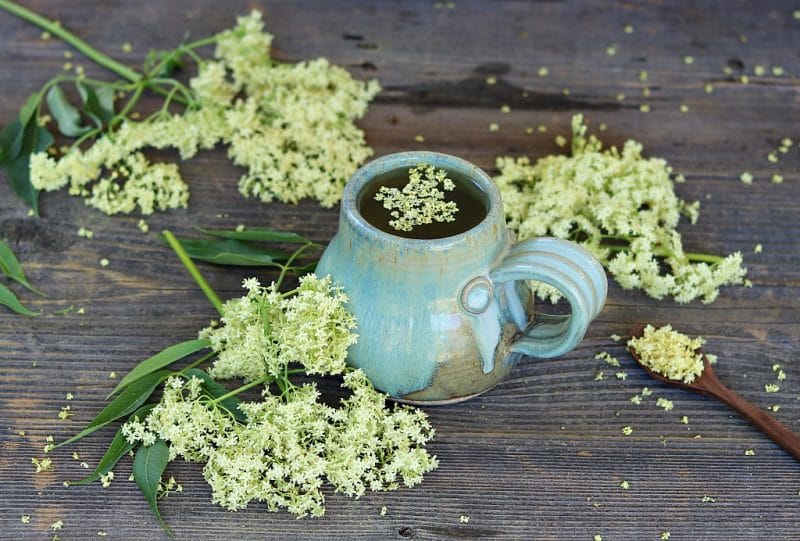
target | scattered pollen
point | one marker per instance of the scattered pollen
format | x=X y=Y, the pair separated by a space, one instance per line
x=627 y=430
x=491 y=80
x=611 y=50
x=25 y=519
x=707 y=499
x=746 y=177
x=543 y=71
x=126 y=47
x=628 y=29
x=383 y=510
x=104 y=262
x=688 y=60
x=708 y=88
x=494 y=126
x=749 y=452
x=665 y=536
x=419 y=138
x=771 y=388
x=757 y=248
x=684 y=108
x=777 y=71
x=759 y=70
x=625 y=485
x=643 y=75
x=561 y=140
x=620 y=97
x=684 y=420
x=463 y=519
x=505 y=109
x=636 y=399
x=644 y=108
x=777 y=179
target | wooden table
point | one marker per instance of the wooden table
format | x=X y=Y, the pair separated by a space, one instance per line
x=541 y=456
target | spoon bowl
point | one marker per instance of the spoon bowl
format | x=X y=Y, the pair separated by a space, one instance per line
x=708 y=384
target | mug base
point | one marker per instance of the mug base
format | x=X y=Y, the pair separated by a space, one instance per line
x=444 y=402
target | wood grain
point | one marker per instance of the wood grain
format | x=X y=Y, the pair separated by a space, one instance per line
x=541 y=456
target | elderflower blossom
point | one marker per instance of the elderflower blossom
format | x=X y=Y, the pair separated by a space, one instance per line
x=280 y=450
x=264 y=331
x=373 y=448
x=421 y=200
x=316 y=329
x=670 y=353
x=598 y=197
x=290 y=125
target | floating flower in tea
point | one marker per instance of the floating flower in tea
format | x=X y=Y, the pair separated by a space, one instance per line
x=421 y=201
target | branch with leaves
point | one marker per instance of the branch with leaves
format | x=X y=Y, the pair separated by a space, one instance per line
x=272 y=115
x=278 y=449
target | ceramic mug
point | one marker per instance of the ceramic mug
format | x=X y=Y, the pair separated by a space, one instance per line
x=445 y=319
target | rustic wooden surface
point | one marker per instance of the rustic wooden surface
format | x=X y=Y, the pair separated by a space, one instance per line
x=539 y=457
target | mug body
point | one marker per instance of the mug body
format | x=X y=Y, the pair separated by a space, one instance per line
x=429 y=328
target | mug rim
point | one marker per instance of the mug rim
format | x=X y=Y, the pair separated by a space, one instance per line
x=404 y=160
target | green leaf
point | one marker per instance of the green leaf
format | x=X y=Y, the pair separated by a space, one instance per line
x=116 y=450
x=10 y=266
x=148 y=465
x=126 y=403
x=231 y=252
x=11 y=141
x=13 y=135
x=7 y=298
x=67 y=117
x=214 y=389
x=98 y=111
x=35 y=139
x=258 y=234
x=158 y=361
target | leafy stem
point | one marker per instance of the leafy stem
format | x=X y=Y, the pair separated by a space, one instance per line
x=694 y=257
x=55 y=28
x=176 y=246
x=288 y=265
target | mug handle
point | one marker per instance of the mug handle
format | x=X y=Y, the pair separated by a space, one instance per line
x=571 y=269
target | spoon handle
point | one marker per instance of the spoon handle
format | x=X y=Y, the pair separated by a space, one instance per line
x=770 y=426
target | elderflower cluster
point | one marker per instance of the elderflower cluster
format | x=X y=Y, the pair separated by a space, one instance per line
x=421 y=200
x=620 y=206
x=265 y=330
x=670 y=353
x=290 y=125
x=287 y=445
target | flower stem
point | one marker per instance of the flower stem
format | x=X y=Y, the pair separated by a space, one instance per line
x=243 y=388
x=199 y=361
x=175 y=244
x=691 y=256
x=57 y=30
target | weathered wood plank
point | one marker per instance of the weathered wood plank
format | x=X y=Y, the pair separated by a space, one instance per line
x=541 y=456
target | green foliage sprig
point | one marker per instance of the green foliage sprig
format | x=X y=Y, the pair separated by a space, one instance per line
x=11 y=267
x=277 y=450
x=290 y=125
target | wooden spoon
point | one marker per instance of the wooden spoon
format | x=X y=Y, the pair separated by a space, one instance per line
x=708 y=384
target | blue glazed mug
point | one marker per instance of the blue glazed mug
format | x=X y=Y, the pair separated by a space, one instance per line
x=442 y=320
